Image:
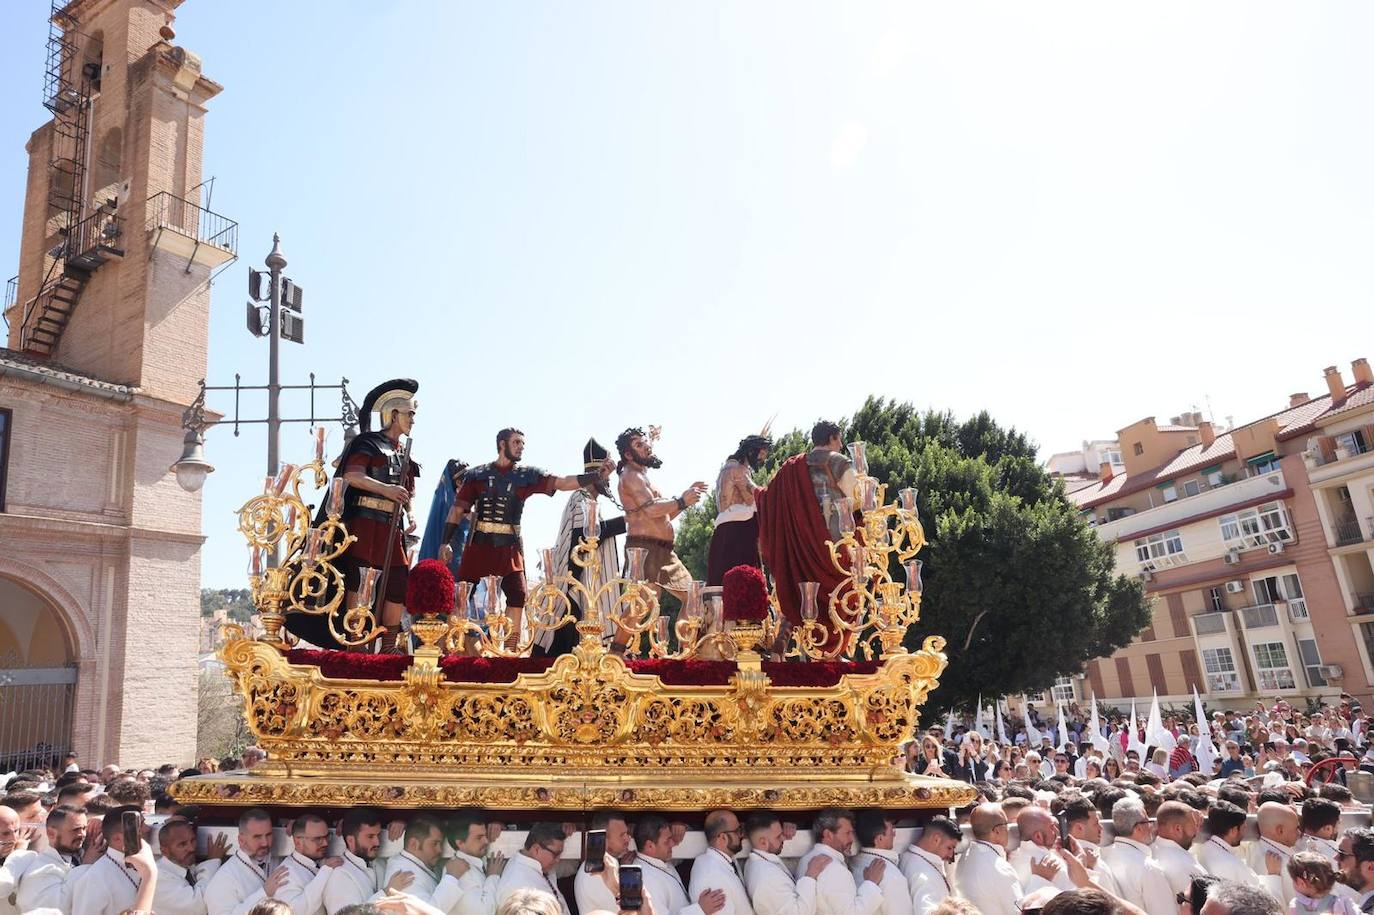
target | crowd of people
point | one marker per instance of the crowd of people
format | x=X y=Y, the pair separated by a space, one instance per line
x=1107 y=819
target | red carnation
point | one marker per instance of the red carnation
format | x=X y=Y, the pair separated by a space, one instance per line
x=430 y=589
x=745 y=595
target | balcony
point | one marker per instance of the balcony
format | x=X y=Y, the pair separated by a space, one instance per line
x=1364 y=603
x=1260 y=616
x=1297 y=610
x=1209 y=502
x=187 y=230
x=1209 y=623
x=1344 y=462
x=1347 y=530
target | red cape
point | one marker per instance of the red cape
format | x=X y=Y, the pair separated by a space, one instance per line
x=792 y=541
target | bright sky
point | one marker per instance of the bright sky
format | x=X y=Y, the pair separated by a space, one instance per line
x=575 y=217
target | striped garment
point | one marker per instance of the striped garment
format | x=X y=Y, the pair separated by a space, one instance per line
x=610 y=560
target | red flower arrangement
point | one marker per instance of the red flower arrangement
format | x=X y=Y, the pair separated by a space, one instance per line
x=429 y=592
x=744 y=595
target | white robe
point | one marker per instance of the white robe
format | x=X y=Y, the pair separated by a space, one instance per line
x=836 y=890
x=927 y=879
x=893 y=886
x=304 y=886
x=1221 y=860
x=48 y=882
x=237 y=886
x=175 y=895
x=352 y=883
x=107 y=887
x=665 y=886
x=592 y=893
x=1280 y=885
x=986 y=879
x=1027 y=854
x=712 y=870
x=772 y=891
x=477 y=889
x=1179 y=866
x=524 y=873
x=1139 y=877
x=440 y=892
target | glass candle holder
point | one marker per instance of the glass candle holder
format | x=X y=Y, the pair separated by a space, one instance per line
x=859 y=565
x=858 y=453
x=716 y=605
x=692 y=609
x=321 y=435
x=546 y=562
x=906 y=498
x=496 y=602
x=283 y=479
x=337 y=487
x=868 y=495
x=462 y=599
x=913 y=575
x=313 y=539
x=844 y=507
x=367 y=587
x=590 y=527
x=291 y=518
x=661 y=630
x=635 y=558
x=809 y=590
x=257 y=561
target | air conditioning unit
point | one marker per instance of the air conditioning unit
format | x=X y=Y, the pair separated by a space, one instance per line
x=1275 y=549
x=1235 y=587
x=1331 y=671
x=1232 y=557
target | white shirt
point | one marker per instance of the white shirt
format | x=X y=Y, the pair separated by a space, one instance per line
x=987 y=880
x=47 y=882
x=1279 y=885
x=896 y=894
x=304 y=886
x=1179 y=866
x=666 y=888
x=1102 y=872
x=836 y=890
x=1139 y=877
x=1221 y=860
x=10 y=872
x=477 y=888
x=174 y=894
x=238 y=885
x=107 y=887
x=440 y=892
x=1028 y=853
x=524 y=873
x=592 y=893
x=772 y=891
x=713 y=871
x=927 y=879
x=351 y=883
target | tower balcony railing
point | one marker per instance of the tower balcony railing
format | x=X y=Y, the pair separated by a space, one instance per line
x=182 y=227
x=1347 y=531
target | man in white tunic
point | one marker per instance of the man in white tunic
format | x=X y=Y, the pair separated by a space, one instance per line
x=246 y=877
x=1279 y=832
x=182 y=883
x=110 y=885
x=592 y=890
x=1084 y=823
x=715 y=868
x=876 y=832
x=836 y=891
x=467 y=833
x=1176 y=829
x=422 y=849
x=533 y=868
x=1038 y=831
x=984 y=877
x=772 y=891
x=1138 y=875
x=48 y=881
x=926 y=864
x=307 y=867
x=654 y=839
x=1356 y=862
x=1220 y=854
x=355 y=881
x=15 y=857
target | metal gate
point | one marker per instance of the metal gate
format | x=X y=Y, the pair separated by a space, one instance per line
x=35 y=715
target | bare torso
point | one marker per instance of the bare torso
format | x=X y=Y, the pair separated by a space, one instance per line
x=734 y=487
x=636 y=492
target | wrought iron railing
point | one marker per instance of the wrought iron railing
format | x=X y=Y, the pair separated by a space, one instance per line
x=1348 y=531
x=170 y=212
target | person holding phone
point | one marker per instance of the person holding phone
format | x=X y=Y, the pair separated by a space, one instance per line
x=111 y=885
x=605 y=843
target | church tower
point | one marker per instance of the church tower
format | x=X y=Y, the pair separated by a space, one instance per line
x=108 y=334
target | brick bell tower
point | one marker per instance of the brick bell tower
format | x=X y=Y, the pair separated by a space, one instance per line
x=107 y=342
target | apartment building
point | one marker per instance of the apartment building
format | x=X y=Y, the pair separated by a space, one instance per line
x=1243 y=538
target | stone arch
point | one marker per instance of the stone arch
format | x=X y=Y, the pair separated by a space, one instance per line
x=79 y=634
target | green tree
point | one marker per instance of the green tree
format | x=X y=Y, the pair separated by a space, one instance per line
x=1019 y=586
x=238 y=602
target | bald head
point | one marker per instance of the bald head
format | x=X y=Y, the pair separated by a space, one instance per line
x=989 y=823
x=1278 y=822
x=1036 y=824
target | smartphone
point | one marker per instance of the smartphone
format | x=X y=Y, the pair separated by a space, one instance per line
x=631 y=888
x=132 y=822
x=594 y=851
x=1064 y=831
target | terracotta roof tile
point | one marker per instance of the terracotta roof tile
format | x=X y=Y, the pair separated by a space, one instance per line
x=1361 y=397
x=58 y=372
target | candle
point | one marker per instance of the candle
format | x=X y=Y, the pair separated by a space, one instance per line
x=337 y=486
x=546 y=560
x=913 y=576
x=845 y=509
x=634 y=563
x=269 y=484
x=908 y=499
x=809 y=589
x=257 y=559
x=590 y=528
x=291 y=517
x=312 y=544
x=367 y=588
x=860 y=565
x=859 y=452
x=321 y=433
x=283 y=478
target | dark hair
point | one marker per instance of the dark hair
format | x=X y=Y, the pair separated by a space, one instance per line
x=1224 y=817
x=823 y=432
x=1018 y=789
x=73 y=789
x=113 y=823
x=17 y=799
x=1106 y=799
x=648 y=828
x=162 y=802
x=1273 y=796
x=829 y=819
x=1234 y=794
x=1361 y=843
x=1313 y=867
x=1199 y=888
x=1081 y=902
x=944 y=824
x=253 y=814
x=760 y=820
x=361 y=908
x=869 y=825
x=299 y=823
x=603 y=818
x=541 y=833
x=356 y=819
x=420 y=828
x=99 y=805
x=459 y=827
x=1335 y=791
x=1078 y=809
x=67 y=778
x=1318 y=812
x=505 y=435
x=58 y=815
x=128 y=790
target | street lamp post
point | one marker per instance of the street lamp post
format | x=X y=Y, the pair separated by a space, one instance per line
x=275 y=262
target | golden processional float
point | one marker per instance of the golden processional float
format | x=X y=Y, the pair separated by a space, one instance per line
x=691 y=718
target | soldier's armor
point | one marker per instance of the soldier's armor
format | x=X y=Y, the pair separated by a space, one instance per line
x=826 y=468
x=386 y=470
x=499 y=503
